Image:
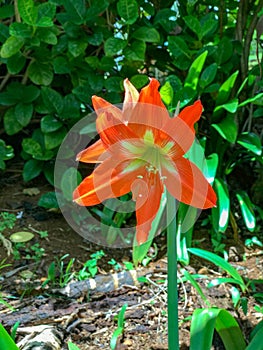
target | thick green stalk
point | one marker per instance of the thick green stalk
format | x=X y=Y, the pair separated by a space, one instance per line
x=173 y=331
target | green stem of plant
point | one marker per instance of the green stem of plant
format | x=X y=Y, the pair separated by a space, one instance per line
x=173 y=331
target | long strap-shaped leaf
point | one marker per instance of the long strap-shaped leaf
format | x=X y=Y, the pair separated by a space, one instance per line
x=205 y=321
x=6 y=342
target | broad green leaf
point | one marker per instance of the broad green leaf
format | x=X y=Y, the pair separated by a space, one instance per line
x=40 y=73
x=167 y=93
x=11 y=124
x=32 y=147
x=193 y=23
x=52 y=99
x=217 y=281
x=61 y=65
x=47 y=36
x=20 y=30
x=147 y=34
x=128 y=10
x=113 y=46
x=114 y=84
x=77 y=47
x=208 y=75
x=220 y=262
x=209 y=25
x=230 y=106
x=48 y=200
x=46 y=13
x=6 y=342
x=192 y=78
x=24 y=113
x=28 y=11
x=6 y=11
x=247 y=210
x=227 y=128
x=49 y=124
x=140 y=251
x=139 y=80
x=96 y=9
x=225 y=89
x=11 y=46
x=177 y=46
x=69 y=181
x=220 y=214
x=224 y=51
x=135 y=51
x=256 y=339
x=250 y=141
x=76 y=10
x=55 y=138
x=32 y=169
x=16 y=63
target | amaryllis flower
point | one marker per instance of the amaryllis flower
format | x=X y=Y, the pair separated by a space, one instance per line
x=141 y=149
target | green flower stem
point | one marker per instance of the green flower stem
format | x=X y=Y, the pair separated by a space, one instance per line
x=173 y=331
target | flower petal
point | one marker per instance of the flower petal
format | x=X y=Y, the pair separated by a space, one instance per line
x=92 y=154
x=108 y=180
x=150 y=94
x=191 y=114
x=100 y=105
x=147 y=192
x=188 y=185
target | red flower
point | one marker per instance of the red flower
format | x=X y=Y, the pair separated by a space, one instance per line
x=141 y=150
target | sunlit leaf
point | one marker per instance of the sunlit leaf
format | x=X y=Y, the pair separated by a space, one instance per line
x=220 y=214
x=247 y=210
x=192 y=78
x=250 y=141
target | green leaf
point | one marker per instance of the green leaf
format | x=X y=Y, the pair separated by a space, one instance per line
x=69 y=181
x=224 y=51
x=113 y=46
x=46 y=13
x=128 y=10
x=20 y=30
x=10 y=122
x=48 y=200
x=55 y=138
x=251 y=100
x=247 y=210
x=208 y=75
x=177 y=46
x=193 y=23
x=49 y=124
x=114 y=84
x=11 y=46
x=15 y=63
x=6 y=11
x=61 y=65
x=135 y=51
x=23 y=113
x=40 y=73
x=77 y=47
x=96 y=9
x=147 y=34
x=192 y=78
x=256 y=342
x=197 y=287
x=32 y=169
x=52 y=99
x=220 y=214
x=211 y=167
x=27 y=11
x=225 y=89
x=167 y=93
x=220 y=262
x=230 y=106
x=76 y=10
x=6 y=342
x=21 y=237
x=227 y=128
x=72 y=346
x=250 y=141
x=47 y=36
x=139 y=80
x=205 y=321
x=32 y=147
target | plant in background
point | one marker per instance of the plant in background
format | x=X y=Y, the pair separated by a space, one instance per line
x=120 y=329
x=90 y=267
x=59 y=272
x=7 y=221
